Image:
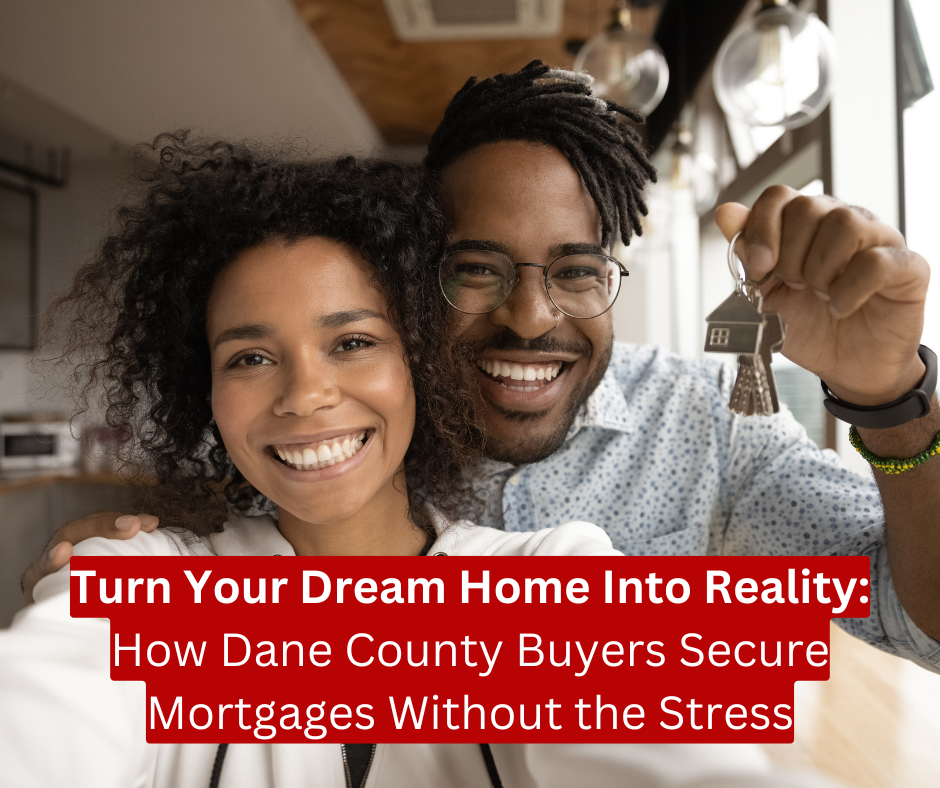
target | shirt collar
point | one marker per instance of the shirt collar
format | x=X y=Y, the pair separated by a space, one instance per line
x=606 y=409
x=250 y=536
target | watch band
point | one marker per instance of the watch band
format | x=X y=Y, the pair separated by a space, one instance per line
x=913 y=405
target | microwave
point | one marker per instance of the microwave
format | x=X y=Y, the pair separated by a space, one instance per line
x=37 y=445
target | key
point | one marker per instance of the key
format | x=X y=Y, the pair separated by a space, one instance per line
x=739 y=325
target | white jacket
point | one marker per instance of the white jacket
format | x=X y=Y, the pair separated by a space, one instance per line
x=63 y=722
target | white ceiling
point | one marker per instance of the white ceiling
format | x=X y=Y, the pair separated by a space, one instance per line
x=132 y=69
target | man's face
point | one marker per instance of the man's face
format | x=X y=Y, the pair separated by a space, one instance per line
x=526 y=201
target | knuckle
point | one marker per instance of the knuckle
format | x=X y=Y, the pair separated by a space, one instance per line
x=803 y=208
x=843 y=220
x=777 y=193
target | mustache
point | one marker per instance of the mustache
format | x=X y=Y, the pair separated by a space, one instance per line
x=507 y=339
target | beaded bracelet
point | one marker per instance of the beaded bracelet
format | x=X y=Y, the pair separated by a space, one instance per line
x=888 y=465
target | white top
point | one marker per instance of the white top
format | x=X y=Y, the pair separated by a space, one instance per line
x=63 y=722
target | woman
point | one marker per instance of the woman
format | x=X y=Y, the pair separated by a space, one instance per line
x=272 y=330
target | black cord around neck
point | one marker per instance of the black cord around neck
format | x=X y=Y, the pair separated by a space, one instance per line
x=488 y=759
x=217 y=766
x=491 y=766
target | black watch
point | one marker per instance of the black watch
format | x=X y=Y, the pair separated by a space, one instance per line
x=913 y=405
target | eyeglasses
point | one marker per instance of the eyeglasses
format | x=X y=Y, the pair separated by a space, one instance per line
x=579 y=285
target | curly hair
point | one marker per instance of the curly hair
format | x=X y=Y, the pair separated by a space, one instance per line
x=136 y=330
x=551 y=106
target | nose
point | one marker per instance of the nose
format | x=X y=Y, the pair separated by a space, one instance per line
x=305 y=387
x=528 y=311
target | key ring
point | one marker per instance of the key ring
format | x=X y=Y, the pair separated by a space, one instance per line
x=749 y=287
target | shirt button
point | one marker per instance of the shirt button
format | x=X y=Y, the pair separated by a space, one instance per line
x=514 y=480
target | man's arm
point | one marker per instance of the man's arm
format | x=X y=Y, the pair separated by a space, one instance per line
x=911 y=502
x=110 y=525
x=853 y=297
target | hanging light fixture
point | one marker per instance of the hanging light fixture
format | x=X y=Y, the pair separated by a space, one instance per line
x=627 y=67
x=777 y=69
x=697 y=172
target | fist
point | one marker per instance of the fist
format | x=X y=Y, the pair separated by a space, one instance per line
x=851 y=292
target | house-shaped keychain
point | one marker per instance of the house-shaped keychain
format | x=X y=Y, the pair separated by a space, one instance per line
x=735 y=327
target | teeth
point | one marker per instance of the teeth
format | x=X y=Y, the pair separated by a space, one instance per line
x=323 y=455
x=513 y=371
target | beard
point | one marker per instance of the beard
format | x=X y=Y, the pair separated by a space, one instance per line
x=527 y=444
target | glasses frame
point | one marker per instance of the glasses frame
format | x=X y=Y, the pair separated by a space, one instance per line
x=546 y=284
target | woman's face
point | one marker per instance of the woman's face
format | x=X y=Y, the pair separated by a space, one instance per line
x=310 y=390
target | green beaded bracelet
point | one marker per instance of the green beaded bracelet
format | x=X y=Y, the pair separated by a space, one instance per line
x=888 y=465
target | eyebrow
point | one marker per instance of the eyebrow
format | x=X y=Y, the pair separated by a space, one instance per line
x=255 y=331
x=561 y=250
x=480 y=246
x=556 y=251
x=340 y=319
x=264 y=330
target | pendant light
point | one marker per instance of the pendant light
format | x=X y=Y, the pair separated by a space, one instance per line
x=627 y=67
x=697 y=172
x=777 y=69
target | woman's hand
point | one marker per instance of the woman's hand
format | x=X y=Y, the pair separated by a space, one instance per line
x=110 y=525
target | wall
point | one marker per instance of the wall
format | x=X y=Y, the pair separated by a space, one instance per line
x=71 y=222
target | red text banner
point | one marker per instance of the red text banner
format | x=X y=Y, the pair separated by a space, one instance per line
x=468 y=649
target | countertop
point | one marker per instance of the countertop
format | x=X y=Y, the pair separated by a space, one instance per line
x=14 y=481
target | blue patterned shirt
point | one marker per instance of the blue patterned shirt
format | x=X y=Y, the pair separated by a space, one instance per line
x=656 y=459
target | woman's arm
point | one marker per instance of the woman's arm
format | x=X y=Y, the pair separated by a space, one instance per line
x=63 y=722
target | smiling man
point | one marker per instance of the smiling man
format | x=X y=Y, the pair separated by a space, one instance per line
x=537 y=175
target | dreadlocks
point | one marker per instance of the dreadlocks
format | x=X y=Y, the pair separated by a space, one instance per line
x=558 y=108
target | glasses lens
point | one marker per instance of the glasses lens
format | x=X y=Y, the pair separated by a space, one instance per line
x=475 y=281
x=584 y=285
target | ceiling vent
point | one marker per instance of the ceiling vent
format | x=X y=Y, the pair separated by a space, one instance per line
x=442 y=20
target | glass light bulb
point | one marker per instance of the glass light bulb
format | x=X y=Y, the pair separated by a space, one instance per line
x=777 y=69
x=627 y=68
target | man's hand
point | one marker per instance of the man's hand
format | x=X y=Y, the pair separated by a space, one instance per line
x=110 y=525
x=851 y=292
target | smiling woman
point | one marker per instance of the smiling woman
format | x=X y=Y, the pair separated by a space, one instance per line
x=243 y=283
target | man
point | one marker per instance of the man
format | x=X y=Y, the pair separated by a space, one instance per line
x=534 y=169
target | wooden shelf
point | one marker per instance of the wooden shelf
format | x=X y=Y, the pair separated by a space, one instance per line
x=11 y=481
